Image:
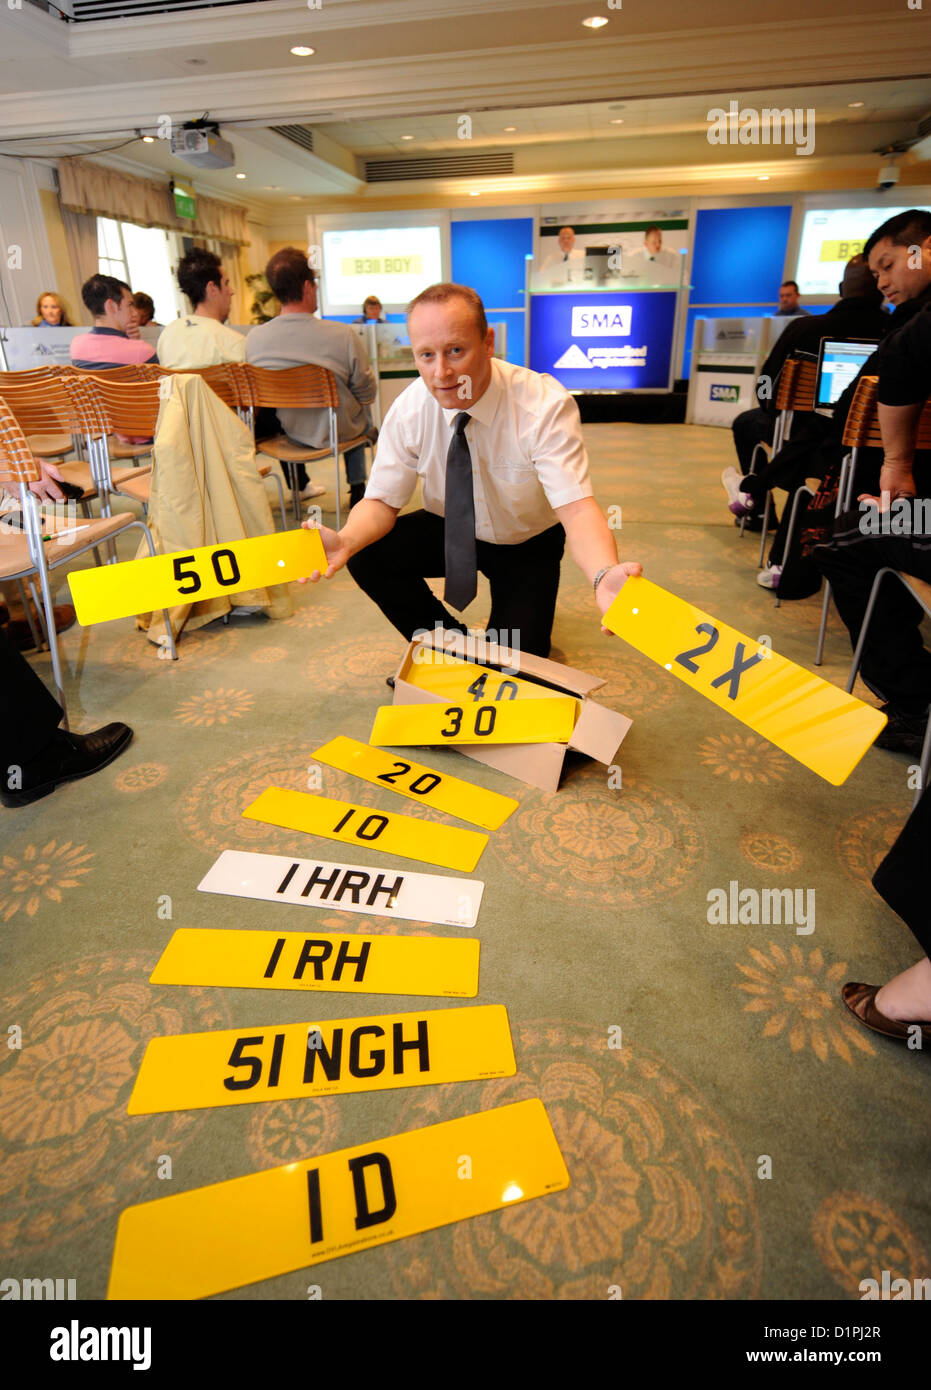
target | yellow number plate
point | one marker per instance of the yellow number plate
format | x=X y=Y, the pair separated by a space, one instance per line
x=523 y=721
x=238 y=1066
x=387 y=831
x=840 y=250
x=233 y=1233
x=164 y=581
x=445 y=965
x=439 y=790
x=813 y=721
x=465 y=681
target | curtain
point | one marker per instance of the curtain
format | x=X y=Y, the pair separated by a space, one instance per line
x=81 y=240
x=85 y=187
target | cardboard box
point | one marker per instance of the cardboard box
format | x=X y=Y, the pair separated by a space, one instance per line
x=598 y=731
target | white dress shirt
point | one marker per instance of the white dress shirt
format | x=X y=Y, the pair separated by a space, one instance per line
x=525 y=438
x=564 y=268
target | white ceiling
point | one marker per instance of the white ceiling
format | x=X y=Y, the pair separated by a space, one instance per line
x=384 y=69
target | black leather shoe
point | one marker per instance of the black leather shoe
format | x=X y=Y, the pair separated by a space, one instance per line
x=389 y=682
x=905 y=733
x=66 y=758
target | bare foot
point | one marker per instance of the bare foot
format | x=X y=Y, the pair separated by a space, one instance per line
x=907 y=997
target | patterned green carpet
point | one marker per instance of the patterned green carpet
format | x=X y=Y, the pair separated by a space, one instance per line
x=736 y=1046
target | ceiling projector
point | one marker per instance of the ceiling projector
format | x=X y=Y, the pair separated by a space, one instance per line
x=204 y=148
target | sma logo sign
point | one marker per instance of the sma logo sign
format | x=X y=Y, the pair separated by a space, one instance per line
x=730 y=395
x=611 y=321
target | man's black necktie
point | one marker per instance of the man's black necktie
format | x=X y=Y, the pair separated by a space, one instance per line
x=461 y=569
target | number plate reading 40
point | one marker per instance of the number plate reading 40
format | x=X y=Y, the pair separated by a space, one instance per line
x=164 y=581
x=211 y=1239
x=813 y=721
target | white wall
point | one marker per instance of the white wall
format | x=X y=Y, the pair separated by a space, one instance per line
x=26 y=267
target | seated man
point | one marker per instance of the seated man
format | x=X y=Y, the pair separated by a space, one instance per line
x=201 y=338
x=296 y=338
x=108 y=344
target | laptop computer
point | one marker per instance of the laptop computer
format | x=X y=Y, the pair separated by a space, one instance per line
x=839 y=361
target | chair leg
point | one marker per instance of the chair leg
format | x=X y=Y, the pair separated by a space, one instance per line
x=274 y=474
x=864 y=627
x=769 y=498
x=819 y=654
x=924 y=763
x=295 y=490
x=790 y=534
x=53 y=641
x=171 y=637
x=27 y=608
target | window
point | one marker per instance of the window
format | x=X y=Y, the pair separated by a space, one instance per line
x=142 y=257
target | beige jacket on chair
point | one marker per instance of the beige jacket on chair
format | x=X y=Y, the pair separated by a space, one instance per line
x=206 y=490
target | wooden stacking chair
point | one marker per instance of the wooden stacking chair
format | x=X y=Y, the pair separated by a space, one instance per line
x=795 y=394
x=300 y=388
x=762 y=449
x=27 y=556
x=109 y=407
x=133 y=371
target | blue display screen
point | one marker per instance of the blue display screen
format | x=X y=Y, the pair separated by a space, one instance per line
x=603 y=342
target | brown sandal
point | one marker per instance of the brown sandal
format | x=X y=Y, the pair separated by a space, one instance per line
x=860 y=1000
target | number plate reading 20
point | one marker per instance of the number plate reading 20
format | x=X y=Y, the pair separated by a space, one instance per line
x=813 y=721
x=164 y=581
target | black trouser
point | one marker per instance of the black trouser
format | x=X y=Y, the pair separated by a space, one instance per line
x=29 y=715
x=524 y=580
x=902 y=877
x=751 y=427
x=896 y=664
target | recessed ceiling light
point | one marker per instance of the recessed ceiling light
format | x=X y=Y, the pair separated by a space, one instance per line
x=508 y=129
x=148 y=139
x=595 y=21
x=302 y=51
x=407 y=137
x=474 y=194
x=618 y=120
x=762 y=178
x=294 y=198
x=856 y=103
x=240 y=176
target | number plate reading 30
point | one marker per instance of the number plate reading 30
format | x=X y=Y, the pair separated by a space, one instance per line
x=165 y=581
x=813 y=721
x=518 y=721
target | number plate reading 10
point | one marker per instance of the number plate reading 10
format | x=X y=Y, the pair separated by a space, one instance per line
x=192 y=1071
x=446 y=845
x=165 y=581
x=440 y=790
x=813 y=721
x=520 y=721
x=212 y=1239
